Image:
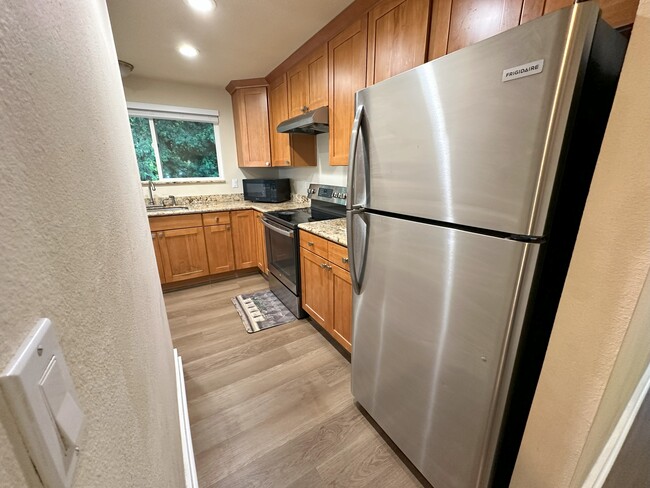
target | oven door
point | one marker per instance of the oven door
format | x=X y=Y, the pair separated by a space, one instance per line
x=282 y=254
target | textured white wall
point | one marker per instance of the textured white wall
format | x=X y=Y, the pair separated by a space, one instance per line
x=599 y=347
x=75 y=245
x=147 y=90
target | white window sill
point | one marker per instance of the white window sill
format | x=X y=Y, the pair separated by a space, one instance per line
x=185 y=181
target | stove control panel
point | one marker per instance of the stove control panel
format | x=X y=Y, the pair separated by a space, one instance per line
x=328 y=193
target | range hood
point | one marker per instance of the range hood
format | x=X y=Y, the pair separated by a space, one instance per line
x=313 y=122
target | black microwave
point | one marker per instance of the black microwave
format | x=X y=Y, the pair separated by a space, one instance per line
x=267 y=190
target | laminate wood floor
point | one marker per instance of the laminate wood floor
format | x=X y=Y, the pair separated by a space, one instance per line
x=274 y=408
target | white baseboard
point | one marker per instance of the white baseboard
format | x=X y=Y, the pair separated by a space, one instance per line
x=191 y=480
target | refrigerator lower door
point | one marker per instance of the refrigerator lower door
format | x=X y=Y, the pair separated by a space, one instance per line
x=435 y=327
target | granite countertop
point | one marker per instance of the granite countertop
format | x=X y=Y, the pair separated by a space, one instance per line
x=333 y=230
x=226 y=206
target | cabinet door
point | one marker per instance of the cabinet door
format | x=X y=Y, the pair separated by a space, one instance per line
x=243 y=238
x=397 y=37
x=183 y=254
x=251 y=112
x=342 y=307
x=439 y=32
x=347 y=72
x=262 y=262
x=279 y=112
x=617 y=13
x=307 y=83
x=218 y=242
x=317 y=78
x=159 y=261
x=316 y=287
x=473 y=20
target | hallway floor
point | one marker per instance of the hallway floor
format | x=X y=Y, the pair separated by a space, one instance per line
x=274 y=408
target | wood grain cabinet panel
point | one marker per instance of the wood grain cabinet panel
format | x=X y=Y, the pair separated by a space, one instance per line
x=183 y=254
x=347 y=73
x=262 y=260
x=341 y=328
x=287 y=149
x=218 y=243
x=307 y=83
x=244 y=238
x=159 y=263
x=251 y=114
x=397 y=37
x=316 y=288
x=617 y=13
x=472 y=20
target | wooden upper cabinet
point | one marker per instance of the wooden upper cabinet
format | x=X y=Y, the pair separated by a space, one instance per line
x=347 y=73
x=244 y=238
x=617 y=13
x=251 y=114
x=279 y=112
x=397 y=37
x=472 y=21
x=287 y=149
x=307 y=83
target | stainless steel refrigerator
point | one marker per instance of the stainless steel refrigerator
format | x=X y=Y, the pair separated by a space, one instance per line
x=467 y=180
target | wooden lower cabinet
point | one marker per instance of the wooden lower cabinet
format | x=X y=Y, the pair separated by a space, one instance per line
x=183 y=254
x=260 y=235
x=342 y=307
x=244 y=238
x=327 y=288
x=218 y=243
x=156 y=250
x=316 y=287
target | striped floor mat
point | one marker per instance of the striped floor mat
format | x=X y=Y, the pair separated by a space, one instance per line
x=261 y=310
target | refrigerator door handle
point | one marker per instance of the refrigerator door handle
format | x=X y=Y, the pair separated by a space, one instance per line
x=356 y=276
x=354 y=143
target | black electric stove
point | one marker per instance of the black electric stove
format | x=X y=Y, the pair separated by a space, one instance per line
x=282 y=243
x=319 y=210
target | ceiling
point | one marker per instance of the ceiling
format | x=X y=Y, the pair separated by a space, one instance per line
x=239 y=39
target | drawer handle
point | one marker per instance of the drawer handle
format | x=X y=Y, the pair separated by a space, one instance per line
x=310 y=243
x=325 y=266
x=345 y=260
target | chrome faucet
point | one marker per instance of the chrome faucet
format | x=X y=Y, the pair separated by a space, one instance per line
x=152 y=188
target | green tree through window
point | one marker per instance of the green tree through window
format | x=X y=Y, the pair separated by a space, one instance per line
x=144 y=152
x=186 y=149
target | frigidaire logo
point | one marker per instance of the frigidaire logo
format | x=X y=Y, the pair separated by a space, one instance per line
x=522 y=70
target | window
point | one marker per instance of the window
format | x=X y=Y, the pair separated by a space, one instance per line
x=173 y=144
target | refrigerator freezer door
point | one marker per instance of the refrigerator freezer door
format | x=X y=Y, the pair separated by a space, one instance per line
x=433 y=321
x=474 y=138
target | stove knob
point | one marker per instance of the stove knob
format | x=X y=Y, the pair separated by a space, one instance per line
x=336 y=195
x=345 y=195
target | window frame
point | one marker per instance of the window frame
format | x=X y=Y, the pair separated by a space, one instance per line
x=170 y=112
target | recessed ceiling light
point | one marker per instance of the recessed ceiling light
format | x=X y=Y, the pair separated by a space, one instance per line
x=188 y=51
x=201 y=5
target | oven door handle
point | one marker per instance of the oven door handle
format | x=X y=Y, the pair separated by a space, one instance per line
x=279 y=230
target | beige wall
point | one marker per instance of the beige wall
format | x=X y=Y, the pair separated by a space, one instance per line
x=322 y=173
x=147 y=90
x=69 y=250
x=599 y=347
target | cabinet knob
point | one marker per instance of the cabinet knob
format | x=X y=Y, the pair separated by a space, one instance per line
x=305 y=108
x=161 y=234
x=309 y=243
x=227 y=227
x=268 y=163
x=345 y=260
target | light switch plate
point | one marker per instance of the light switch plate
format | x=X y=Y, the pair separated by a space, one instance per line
x=41 y=396
x=235 y=183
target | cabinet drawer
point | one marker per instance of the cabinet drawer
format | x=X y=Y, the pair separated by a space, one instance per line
x=216 y=218
x=313 y=243
x=175 y=222
x=338 y=255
